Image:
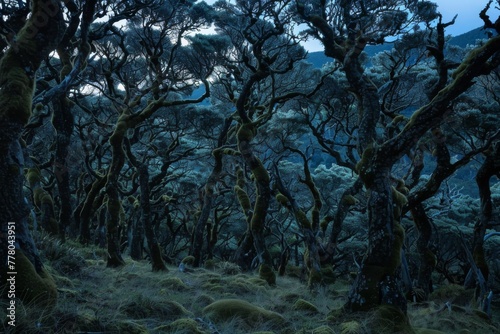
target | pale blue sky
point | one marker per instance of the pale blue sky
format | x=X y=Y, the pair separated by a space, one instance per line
x=467 y=19
x=468 y=14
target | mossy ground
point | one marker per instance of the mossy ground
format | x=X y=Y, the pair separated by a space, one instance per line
x=133 y=299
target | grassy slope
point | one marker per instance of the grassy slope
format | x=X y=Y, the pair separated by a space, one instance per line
x=93 y=298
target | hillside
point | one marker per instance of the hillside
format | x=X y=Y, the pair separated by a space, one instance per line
x=318 y=58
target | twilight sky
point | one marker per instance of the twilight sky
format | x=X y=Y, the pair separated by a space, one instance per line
x=468 y=14
x=467 y=19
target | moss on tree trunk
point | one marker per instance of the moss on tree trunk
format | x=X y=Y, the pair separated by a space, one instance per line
x=39 y=36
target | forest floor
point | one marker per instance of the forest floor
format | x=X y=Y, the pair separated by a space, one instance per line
x=220 y=299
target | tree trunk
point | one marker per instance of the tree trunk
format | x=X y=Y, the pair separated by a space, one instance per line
x=484 y=174
x=426 y=256
x=376 y=282
x=63 y=124
x=245 y=134
x=208 y=197
x=18 y=68
x=84 y=215
x=154 y=248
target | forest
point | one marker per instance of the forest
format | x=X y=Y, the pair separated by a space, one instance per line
x=177 y=166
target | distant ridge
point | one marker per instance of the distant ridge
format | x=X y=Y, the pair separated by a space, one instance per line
x=318 y=58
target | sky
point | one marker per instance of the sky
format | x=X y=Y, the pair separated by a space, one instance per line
x=468 y=14
x=467 y=19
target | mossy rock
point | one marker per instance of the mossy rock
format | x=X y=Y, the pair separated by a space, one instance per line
x=181 y=326
x=323 y=330
x=389 y=319
x=350 y=327
x=304 y=305
x=173 y=283
x=227 y=309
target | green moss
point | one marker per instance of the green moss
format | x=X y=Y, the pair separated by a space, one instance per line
x=350 y=327
x=430 y=258
x=173 y=283
x=209 y=264
x=128 y=326
x=213 y=287
x=240 y=177
x=349 y=200
x=315 y=278
x=33 y=176
x=41 y=197
x=363 y=167
x=328 y=275
x=282 y=199
x=260 y=173
x=32 y=287
x=239 y=285
x=395 y=260
x=203 y=300
x=17 y=89
x=293 y=271
x=336 y=314
x=267 y=273
x=323 y=330
x=188 y=260
x=243 y=199
x=141 y=306
x=302 y=220
x=181 y=326
x=453 y=293
x=427 y=331
x=398 y=119
x=227 y=309
x=20 y=62
x=389 y=319
x=399 y=201
x=246 y=132
x=304 y=305
x=324 y=222
x=230 y=151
